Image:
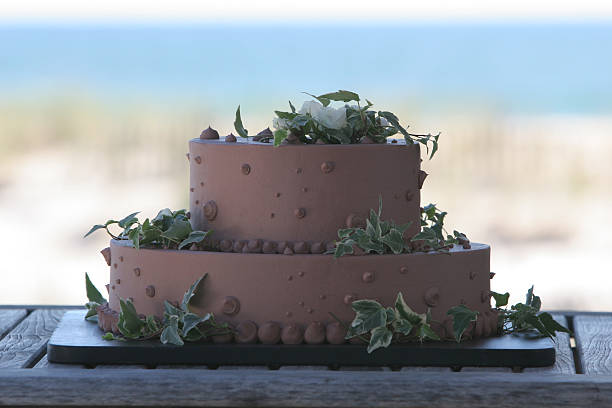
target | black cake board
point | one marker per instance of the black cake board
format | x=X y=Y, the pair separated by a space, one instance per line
x=78 y=341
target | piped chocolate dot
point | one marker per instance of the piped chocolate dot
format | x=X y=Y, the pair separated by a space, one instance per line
x=409 y=195
x=118 y=281
x=113 y=287
x=150 y=291
x=192 y=189
x=187 y=156
x=350 y=298
x=210 y=210
x=485 y=296
x=246 y=169
x=209 y=134
x=137 y=271
x=299 y=212
x=197 y=202
x=472 y=275
x=120 y=259
x=334 y=333
x=315 y=333
x=322 y=297
x=230 y=138
x=201 y=184
x=231 y=306
x=309 y=310
x=301 y=303
x=301 y=274
x=327 y=167
x=292 y=334
x=288 y=314
x=281 y=246
x=198 y=159
x=288 y=251
x=277 y=195
x=106 y=253
x=305 y=189
x=271 y=215
x=226 y=245
x=368 y=277
x=404 y=270
x=254 y=246
x=432 y=296
x=298 y=170
x=246 y=332
x=269 y=333
x=290 y=277
x=238 y=246
x=115 y=265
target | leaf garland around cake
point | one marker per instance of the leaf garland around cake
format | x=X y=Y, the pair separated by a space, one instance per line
x=318 y=122
x=526 y=317
x=178 y=325
x=379 y=326
x=386 y=237
x=168 y=230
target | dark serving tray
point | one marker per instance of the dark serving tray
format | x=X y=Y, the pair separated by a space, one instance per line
x=77 y=341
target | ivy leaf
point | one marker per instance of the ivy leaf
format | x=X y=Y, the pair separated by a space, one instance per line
x=238 y=125
x=462 y=317
x=129 y=220
x=286 y=115
x=500 y=299
x=533 y=300
x=191 y=320
x=134 y=236
x=406 y=313
x=130 y=324
x=193 y=238
x=170 y=309
x=425 y=332
x=404 y=327
x=292 y=107
x=343 y=96
x=151 y=325
x=551 y=325
x=178 y=231
x=381 y=337
x=344 y=248
x=94 y=229
x=345 y=233
x=394 y=121
x=93 y=294
x=394 y=240
x=170 y=334
x=366 y=306
x=324 y=101
x=279 y=136
x=190 y=293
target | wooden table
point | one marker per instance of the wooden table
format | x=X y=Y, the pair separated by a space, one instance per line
x=581 y=377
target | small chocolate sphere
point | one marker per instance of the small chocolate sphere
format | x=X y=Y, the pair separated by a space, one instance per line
x=432 y=296
x=238 y=245
x=226 y=245
x=300 y=247
x=254 y=246
x=315 y=333
x=317 y=248
x=231 y=305
x=269 y=247
x=292 y=334
x=269 y=333
x=335 y=333
x=246 y=332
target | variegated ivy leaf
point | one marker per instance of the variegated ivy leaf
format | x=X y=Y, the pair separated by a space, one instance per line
x=343 y=248
x=403 y=326
x=462 y=317
x=381 y=337
x=425 y=332
x=194 y=238
x=170 y=334
x=130 y=325
x=394 y=240
x=190 y=293
x=279 y=136
x=406 y=313
x=178 y=231
x=191 y=320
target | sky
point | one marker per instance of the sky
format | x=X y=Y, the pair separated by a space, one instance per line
x=278 y=10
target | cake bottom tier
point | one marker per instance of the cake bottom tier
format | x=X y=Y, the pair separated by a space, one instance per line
x=291 y=298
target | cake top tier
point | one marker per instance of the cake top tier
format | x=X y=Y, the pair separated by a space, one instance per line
x=302 y=194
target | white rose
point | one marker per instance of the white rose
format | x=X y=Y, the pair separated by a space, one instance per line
x=311 y=107
x=279 y=123
x=331 y=118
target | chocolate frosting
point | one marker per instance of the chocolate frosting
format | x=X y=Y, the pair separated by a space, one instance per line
x=209 y=134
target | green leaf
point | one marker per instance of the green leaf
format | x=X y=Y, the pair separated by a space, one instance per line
x=163 y=215
x=366 y=306
x=279 y=136
x=151 y=325
x=178 y=231
x=191 y=320
x=406 y=313
x=238 y=125
x=170 y=309
x=194 y=237
x=345 y=233
x=190 y=293
x=292 y=107
x=93 y=294
x=344 y=248
x=394 y=240
x=533 y=300
x=324 y=101
x=130 y=324
x=170 y=334
x=94 y=229
x=462 y=317
x=134 y=236
x=286 y=115
x=425 y=332
x=381 y=337
x=129 y=220
x=394 y=121
x=551 y=325
x=500 y=299
x=343 y=96
x=404 y=327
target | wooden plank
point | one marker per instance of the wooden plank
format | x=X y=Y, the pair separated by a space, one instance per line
x=9 y=319
x=27 y=342
x=593 y=336
x=564 y=356
x=300 y=389
x=45 y=364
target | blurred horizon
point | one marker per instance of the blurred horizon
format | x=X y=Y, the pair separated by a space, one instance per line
x=95 y=119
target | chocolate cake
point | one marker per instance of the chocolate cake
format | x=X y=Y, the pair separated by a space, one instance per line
x=275 y=212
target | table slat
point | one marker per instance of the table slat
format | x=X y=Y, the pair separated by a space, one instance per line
x=9 y=318
x=564 y=358
x=594 y=343
x=330 y=389
x=28 y=340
